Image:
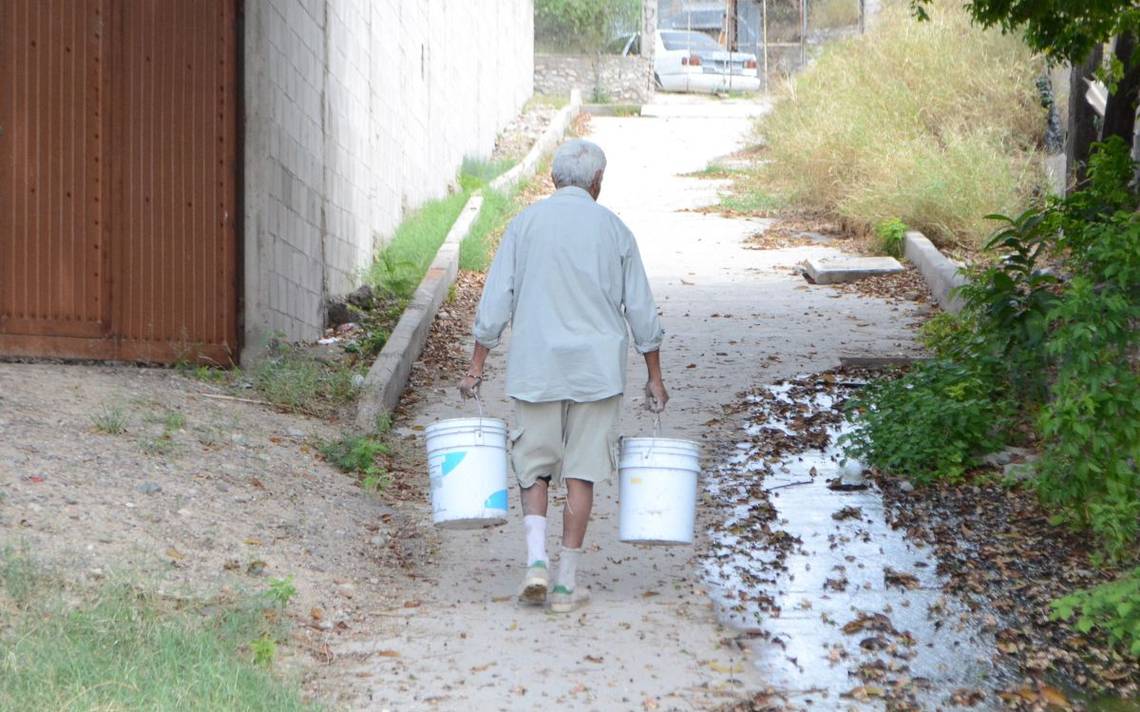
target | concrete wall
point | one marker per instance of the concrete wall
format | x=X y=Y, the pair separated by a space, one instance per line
x=355 y=112
x=625 y=80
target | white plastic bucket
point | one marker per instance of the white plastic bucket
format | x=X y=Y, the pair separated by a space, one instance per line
x=467 y=466
x=658 y=490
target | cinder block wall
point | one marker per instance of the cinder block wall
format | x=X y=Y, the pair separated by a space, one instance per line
x=357 y=111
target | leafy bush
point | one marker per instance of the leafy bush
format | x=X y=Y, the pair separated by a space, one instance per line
x=891 y=235
x=931 y=423
x=1091 y=425
x=1112 y=607
x=935 y=123
x=1061 y=342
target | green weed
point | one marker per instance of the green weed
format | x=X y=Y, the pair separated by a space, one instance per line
x=295 y=381
x=478 y=247
x=399 y=267
x=111 y=421
x=356 y=454
x=890 y=236
x=475 y=173
x=281 y=591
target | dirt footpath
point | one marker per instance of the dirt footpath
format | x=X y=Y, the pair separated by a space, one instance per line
x=650 y=638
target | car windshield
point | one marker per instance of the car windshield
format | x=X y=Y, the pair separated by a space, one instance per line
x=688 y=40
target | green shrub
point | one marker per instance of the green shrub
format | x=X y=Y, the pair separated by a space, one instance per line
x=1066 y=350
x=1112 y=607
x=935 y=123
x=934 y=422
x=890 y=236
x=357 y=454
x=1091 y=424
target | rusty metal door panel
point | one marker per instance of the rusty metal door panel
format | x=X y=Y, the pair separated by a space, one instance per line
x=117 y=179
x=175 y=260
x=53 y=183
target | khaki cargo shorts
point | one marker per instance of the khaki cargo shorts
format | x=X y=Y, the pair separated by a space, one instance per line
x=565 y=439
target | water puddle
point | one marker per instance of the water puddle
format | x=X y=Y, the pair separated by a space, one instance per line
x=841 y=610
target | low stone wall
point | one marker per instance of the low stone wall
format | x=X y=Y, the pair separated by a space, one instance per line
x=609 y=78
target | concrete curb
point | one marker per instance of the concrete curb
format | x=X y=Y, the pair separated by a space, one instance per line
x=545 y=144
x=940 y=274
x=393 y=366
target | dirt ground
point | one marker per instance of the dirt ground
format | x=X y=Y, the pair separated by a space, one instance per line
x=197 y=494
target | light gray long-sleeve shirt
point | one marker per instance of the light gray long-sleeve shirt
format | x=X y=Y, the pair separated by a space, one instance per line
x=568 y=278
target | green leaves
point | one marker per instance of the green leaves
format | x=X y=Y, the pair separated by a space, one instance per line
x=1060 y=28
x=1113 y=608
x=930 y=424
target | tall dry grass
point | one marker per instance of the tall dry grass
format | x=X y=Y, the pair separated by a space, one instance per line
x=828 y=14
x=936 y=123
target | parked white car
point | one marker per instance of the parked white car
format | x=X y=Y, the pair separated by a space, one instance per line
x=692 y=61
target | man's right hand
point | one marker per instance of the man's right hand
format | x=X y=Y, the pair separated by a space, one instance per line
x=469 y=386
x=655 y=395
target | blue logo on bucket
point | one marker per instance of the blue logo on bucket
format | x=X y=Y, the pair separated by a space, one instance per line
x=497 y=501
x=451 y=461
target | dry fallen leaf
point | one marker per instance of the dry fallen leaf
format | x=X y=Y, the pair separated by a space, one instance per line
x=388 y=654
x=412 y=604
x=593 y=658
x=316 y=614
x=175 y=554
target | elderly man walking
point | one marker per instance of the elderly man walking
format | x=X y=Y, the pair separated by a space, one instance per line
x=568 y=279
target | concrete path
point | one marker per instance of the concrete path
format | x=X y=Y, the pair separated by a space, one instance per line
x=650 y=638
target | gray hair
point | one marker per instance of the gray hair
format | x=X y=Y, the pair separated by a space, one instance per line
x=577 y=162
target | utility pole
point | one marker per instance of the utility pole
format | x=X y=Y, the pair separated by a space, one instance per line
x=803 y=33
x=649 y=38
x=730 y=25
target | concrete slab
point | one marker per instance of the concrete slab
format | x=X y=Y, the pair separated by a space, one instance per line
x=849 y=269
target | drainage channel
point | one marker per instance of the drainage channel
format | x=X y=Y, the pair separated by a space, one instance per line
x=841 y=611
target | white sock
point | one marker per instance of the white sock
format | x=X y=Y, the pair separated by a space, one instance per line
x=535 y=527
x=568 y=567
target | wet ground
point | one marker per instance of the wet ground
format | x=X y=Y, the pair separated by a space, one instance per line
x=843 y=611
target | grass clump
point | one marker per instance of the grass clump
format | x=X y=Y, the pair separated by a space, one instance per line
x=295 y=381
x=111 y=421
x=119 y=648
x=399 y=267
x=402 y=263
x=934 y=123
x=356 y=454
x=477 y=248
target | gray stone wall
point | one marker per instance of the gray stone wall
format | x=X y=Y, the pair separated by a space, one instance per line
x=622 y=80
x=357 y=111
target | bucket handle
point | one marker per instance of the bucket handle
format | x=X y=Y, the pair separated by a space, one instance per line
x=656 y=434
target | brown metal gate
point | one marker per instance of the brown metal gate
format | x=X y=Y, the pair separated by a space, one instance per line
x=118 y=141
